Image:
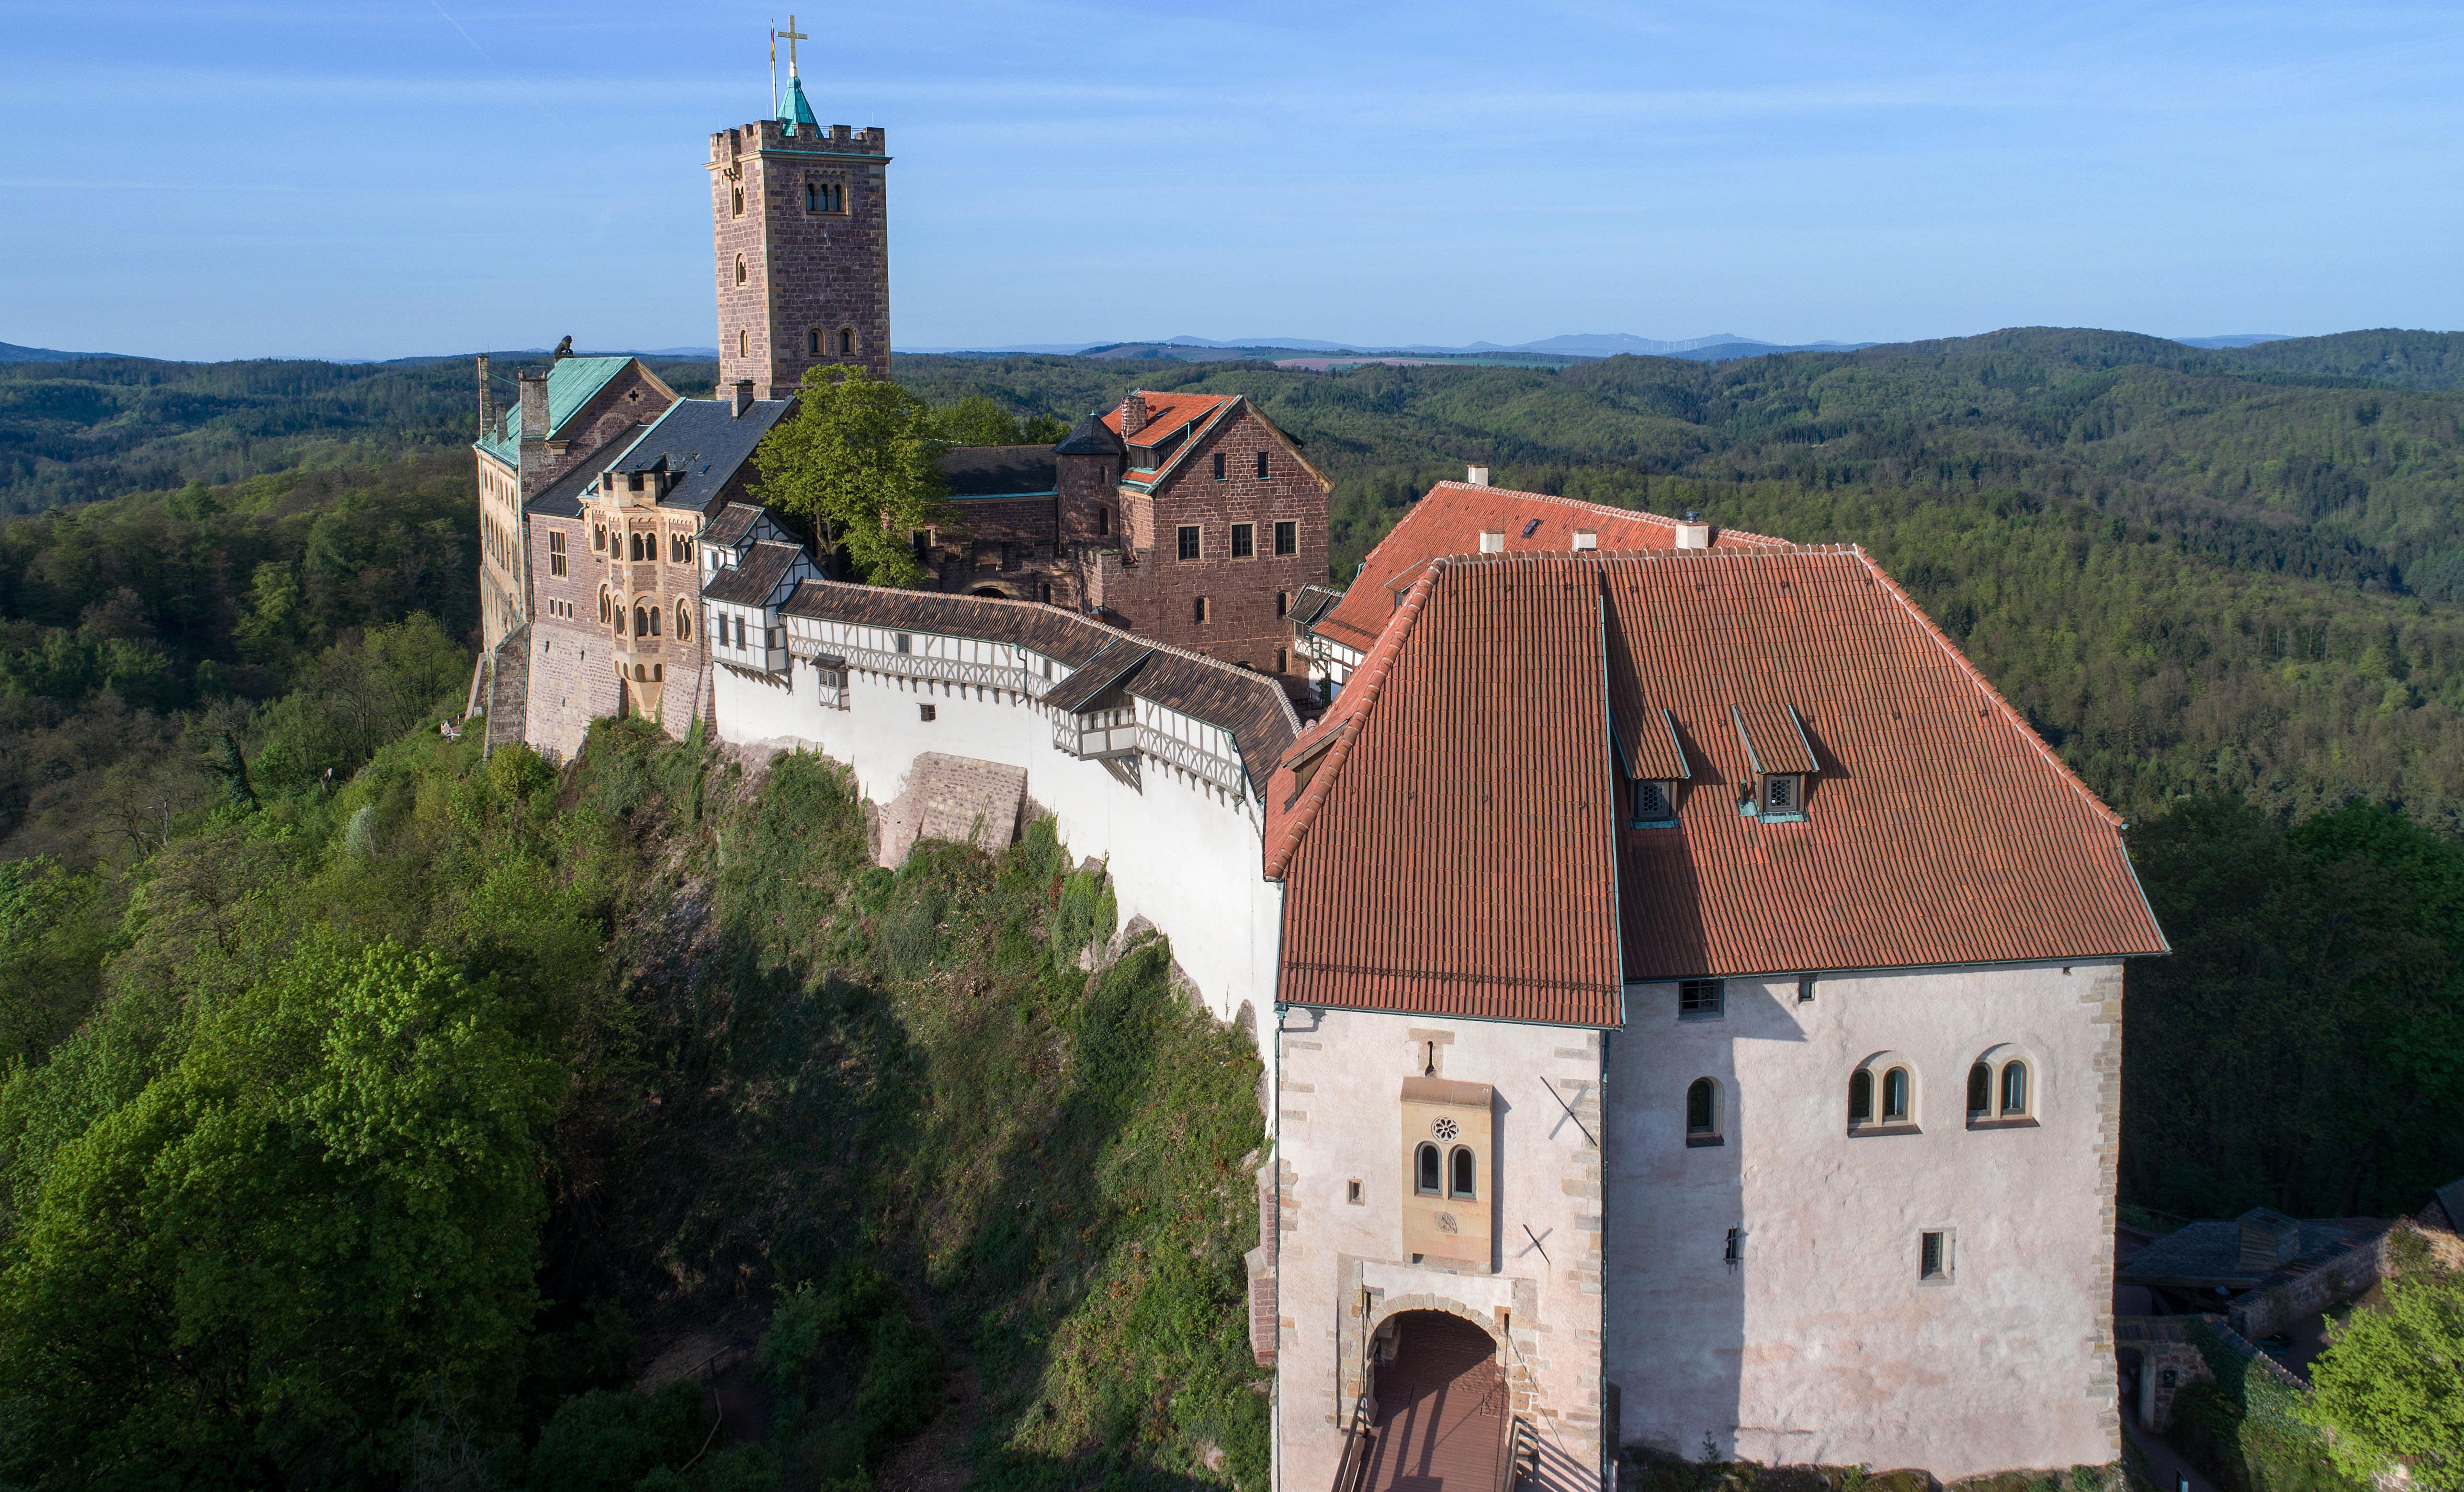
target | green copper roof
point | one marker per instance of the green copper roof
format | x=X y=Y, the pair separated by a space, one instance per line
x=571 y=384
x=793 y=111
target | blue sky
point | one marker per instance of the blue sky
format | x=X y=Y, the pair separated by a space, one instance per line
x=221 y=178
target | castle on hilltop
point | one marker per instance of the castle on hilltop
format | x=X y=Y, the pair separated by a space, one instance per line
x=1690 y=995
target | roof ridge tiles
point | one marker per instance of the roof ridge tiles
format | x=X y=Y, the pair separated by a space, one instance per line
x=1604 y=509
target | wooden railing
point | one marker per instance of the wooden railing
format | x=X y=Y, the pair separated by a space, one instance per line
x=1359 y=1440
x=1518 y=1452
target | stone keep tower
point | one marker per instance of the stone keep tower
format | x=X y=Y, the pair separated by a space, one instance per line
x=801 y=225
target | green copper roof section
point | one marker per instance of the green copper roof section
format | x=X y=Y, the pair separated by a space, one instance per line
x=571 y=383
x=794 y=113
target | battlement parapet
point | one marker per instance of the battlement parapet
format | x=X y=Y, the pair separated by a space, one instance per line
x=765 y=135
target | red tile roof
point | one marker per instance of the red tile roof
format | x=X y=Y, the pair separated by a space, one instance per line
x=1470 y=751
x=1451 y=518
x=1451 y=850
x=1167 y=412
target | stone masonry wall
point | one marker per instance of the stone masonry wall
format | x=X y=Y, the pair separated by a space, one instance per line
x=1155 y=596
x=807 y=272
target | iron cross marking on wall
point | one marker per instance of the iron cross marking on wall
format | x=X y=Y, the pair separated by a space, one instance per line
x=1571 y=1114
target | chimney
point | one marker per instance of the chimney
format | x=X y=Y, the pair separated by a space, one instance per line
x=743 y=396
x=533 y=383
x=1692 y=532
x=1476 y=477
x=1134 y=413
x=487 y=404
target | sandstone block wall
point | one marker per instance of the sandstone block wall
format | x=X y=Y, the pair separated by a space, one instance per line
x=807 y=272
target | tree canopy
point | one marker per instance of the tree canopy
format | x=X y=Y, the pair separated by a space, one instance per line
x=861 y=462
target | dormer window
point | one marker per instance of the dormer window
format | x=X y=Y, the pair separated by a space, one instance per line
x=1779 y=757
x=1655 y=802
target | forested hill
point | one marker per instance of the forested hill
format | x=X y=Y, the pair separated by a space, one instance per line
x=98 y=427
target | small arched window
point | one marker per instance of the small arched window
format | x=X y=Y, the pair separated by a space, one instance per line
x=1425 y=1167
x=812 y=197
x=2015 y=1089
x=619 y=619
x=1702 y=1111
x=1897 y=1096
x=738 y=194
x=743 y=343
x=602 y=607
x=641 y=621
x=599 y=536
x=1980 y=1090
x=1460 y=1183
x=847 y=342
x=684 y=621
x=740 y=269
x=654 y=621
x=1860 y=1095
x=813 y=342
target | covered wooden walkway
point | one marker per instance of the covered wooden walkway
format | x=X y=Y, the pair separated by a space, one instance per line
x=1441 y=1409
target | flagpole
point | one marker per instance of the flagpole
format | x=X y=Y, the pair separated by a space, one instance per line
x=774 y=69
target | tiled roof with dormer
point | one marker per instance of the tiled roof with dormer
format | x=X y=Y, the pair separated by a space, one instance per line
x=1177 y=420
x=1471 y=749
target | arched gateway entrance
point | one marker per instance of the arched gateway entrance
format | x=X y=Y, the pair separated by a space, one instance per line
x=1442 y=1409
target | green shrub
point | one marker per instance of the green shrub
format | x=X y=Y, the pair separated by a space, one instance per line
x=611 y=1439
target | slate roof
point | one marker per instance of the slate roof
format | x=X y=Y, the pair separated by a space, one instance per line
x=702 y=441
x=1001 y=471
x=755 y=579
x=2204 y=1255
x=1252 y=707
x=563 y=498
x=1471 y=751
x=571 y=383
x=728 y=526
x=1451 y=518
x=1091 y=437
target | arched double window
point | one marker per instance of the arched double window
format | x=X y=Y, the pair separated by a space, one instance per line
x=684 y=621
x=1426 y=1168
x=1460 y=1174
x=1882 y=1093
x=1703 y=1112
x=2000 y=1085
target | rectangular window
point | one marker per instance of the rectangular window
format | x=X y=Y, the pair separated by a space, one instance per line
x=927 y=710
x=556 y=553
x=906 y=642
x=1283 y=660
x=1805 y=989
x=1701 y=1000
x=599 y=536
x=1198 y=610
x=1244 y=540
x=1283 y=603
x=1261 y=466
x=1287 y=538
x=1655 y=801
x=1189 y=541
x=1103 y=522
x=1218 y=466
x=1735 y=1253
x=1351 y=1193
x=1934 y=1258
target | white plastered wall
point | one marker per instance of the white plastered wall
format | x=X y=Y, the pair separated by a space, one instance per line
x=1340 y=1076
x=1182 y=853
x=1822 y=1344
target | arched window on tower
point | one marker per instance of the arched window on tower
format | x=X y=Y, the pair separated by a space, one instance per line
x=1461 y=1171
x=1703 y=1112
x=1425 y=1178
x=1860 y=1097
x=740 y=269
x=812 y=197
x=744 y=343
x=620 y=618
x=654 y=621
x=738 y=191
x=641 y=621
x=684 y=621
x=603 y=606
x=847 y=342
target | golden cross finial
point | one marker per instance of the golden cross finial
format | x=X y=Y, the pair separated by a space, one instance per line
x=791 y=35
